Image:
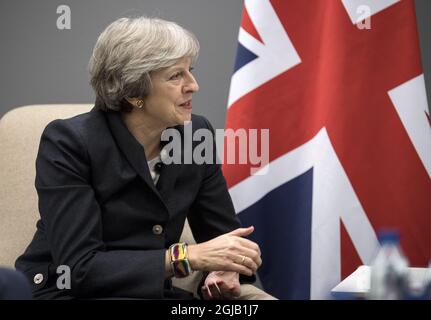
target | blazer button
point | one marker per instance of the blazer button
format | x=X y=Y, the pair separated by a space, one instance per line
x=164 y=155
x=157 y=229
x=38 y=278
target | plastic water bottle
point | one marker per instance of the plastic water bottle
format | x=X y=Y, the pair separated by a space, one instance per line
x=389 y=272
x=427 y=295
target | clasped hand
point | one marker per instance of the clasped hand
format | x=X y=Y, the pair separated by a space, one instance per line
x=221 y=285
x=225 y=257
x=228 y=252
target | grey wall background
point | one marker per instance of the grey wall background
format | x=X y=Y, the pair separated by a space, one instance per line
x=41 y=64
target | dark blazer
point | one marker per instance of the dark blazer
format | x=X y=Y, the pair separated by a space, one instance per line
x=99 y=208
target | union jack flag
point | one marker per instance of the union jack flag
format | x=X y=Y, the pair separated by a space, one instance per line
x=350 y=138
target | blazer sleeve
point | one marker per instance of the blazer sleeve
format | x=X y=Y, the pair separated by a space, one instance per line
x=212 y=213
x=72 y=219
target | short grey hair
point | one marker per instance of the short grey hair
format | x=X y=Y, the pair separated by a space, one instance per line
x=128 y=50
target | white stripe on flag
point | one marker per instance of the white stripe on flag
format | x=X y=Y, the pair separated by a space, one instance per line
x=375 y=6
x=410 y=101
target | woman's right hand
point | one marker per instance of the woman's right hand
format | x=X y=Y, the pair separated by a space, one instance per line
x=228 y=252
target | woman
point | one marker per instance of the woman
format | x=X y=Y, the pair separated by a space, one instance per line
x=109 y=212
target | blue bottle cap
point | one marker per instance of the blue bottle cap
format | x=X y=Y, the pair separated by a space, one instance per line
x=389 y=236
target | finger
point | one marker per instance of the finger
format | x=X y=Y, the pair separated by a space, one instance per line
x=252 y=257
x=249 y=244
x=242 y=232
x=235 y=266
x=256 y=260
x=205 y=293
x=239 y=268
x=218 y=289
x=215 y=291
x=249 y=263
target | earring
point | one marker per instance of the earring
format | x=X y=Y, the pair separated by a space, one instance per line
x=140 y=104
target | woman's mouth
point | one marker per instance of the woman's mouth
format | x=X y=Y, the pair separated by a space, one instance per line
x=187 y=105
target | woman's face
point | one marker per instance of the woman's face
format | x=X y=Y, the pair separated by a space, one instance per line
x=170 y=100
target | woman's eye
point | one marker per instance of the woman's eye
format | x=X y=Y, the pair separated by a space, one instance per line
x=175 y=76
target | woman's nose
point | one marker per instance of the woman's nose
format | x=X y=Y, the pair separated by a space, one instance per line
x=192 y=85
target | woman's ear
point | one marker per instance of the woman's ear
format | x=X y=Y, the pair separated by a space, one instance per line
x=132 y=101
x=136 y=102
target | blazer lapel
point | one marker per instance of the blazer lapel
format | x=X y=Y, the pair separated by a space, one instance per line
x=131 y=148
x=169 y=172
x=167 y=178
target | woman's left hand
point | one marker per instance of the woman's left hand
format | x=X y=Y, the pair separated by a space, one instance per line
x=221 y=285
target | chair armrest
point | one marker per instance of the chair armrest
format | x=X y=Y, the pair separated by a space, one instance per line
x=250 y=292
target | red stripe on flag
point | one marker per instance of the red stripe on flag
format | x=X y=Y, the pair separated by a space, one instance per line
x=351 y=258
x=248 y=25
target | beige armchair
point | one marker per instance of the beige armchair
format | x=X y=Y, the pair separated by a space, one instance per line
x=20 y=131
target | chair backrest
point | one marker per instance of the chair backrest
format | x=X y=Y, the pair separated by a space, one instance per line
x=20 y=131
